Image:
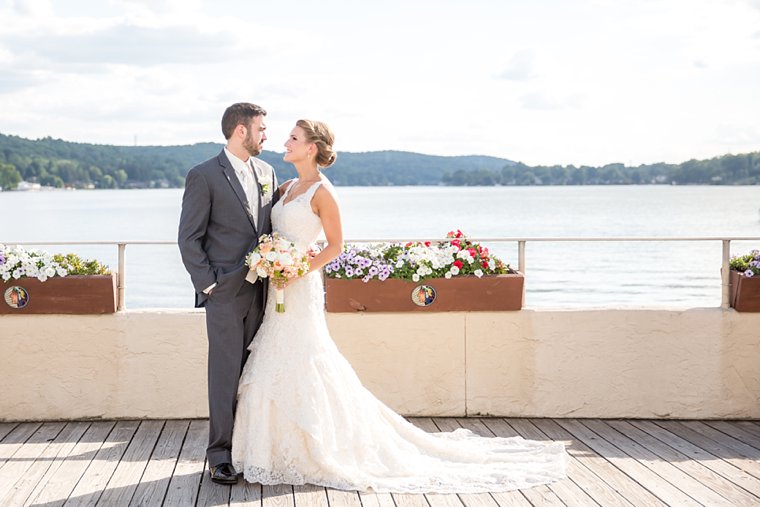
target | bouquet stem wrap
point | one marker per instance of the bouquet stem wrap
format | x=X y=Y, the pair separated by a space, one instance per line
x=279 y=295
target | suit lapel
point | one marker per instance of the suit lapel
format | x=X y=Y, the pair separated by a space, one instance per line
x=261 y=196
x=234 y=182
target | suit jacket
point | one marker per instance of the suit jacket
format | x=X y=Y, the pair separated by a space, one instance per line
x=216 y=228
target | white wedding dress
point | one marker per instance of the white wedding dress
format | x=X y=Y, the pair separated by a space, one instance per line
x=303 y=415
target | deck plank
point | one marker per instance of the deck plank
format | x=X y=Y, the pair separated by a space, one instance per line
x=749 y=426
x=635 y=481
x=424 y=423
x=246 y=494
x=338 y=498
x=443 y=500
x=722 y=467
x=376 y=499
x=616 y=449
x=186 y=479
x=668 y=471
x=280 y=495
x=735 y=431
x=408 y=500
x=57 y=486
x=703 y=475
x=478 y=500
x=94 y=480
x=714 y=447
x=743 y=443
x=125 y=479
x=5 y=428
x=567 y=490
x=594 y=486
x=45 y=465
x=25 y=456
x=211 y=493
x=309 y=495
x=613 y=462
x=15 y=439
x=160 y=466
x=538 y=495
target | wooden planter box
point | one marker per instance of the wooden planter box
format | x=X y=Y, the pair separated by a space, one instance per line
x=744 y=293
x=465 y=294
x=71 y=294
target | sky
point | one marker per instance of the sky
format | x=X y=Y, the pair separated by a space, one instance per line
x=545 y=82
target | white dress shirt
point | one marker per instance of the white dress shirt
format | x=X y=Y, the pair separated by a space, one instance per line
x=246 y=176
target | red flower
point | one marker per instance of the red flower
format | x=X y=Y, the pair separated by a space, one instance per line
x=485 y=265
x=458 y=263
x=427 y=243
x=473 y=252
x=456 y=243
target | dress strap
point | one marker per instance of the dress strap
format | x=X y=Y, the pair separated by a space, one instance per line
x=287 y=190
x=311 y=190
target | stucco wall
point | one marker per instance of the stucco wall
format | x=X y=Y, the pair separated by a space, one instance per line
x=700 y=363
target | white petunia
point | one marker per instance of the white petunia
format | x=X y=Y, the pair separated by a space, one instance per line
x=478 y=273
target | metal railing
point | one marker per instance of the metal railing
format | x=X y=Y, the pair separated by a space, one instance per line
x=521 y=255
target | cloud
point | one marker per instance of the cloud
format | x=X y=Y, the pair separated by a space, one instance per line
x=12 y=80
x=521 y=67
x=32 y=8
x=130 y=45
x=544 y=101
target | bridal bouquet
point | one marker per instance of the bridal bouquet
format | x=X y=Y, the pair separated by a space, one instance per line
x=278 y=259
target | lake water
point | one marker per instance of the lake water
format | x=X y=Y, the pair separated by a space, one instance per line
x=558 y=274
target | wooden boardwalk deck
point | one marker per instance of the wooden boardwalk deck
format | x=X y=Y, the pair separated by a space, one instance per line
x=614 y=462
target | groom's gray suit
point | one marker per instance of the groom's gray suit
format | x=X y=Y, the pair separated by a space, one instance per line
x=216 y=231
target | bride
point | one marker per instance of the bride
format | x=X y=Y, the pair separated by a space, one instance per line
x=303 y=415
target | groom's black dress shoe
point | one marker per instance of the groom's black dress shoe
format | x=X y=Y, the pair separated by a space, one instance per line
x=224 y=473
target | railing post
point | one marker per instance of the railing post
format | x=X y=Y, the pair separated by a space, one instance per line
x=521 y=264
x=725 y=274
x=121 y=280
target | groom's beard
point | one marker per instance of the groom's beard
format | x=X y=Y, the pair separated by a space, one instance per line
x=253 y=148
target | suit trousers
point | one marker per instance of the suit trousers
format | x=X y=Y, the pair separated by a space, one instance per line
x=232 y=319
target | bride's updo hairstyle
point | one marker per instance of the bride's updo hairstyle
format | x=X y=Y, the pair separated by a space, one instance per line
x=320 y=135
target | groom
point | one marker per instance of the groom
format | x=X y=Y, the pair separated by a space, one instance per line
x=225 y=209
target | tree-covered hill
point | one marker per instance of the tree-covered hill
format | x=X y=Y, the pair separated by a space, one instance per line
x=58 y=163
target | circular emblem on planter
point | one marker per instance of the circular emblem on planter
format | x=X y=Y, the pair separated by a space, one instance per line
x=16 y=297
x=423 y=295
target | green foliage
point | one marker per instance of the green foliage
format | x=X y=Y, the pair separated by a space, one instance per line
x=726 y=170
x=75 y=265
x=749 y=264
x=9 y=176
x=58 y=163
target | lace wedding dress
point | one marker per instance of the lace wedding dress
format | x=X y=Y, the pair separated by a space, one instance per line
x=303 y=415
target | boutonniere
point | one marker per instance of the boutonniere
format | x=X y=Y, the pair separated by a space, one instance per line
x=266 y=184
